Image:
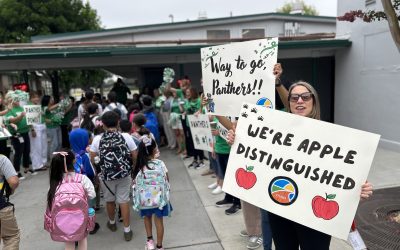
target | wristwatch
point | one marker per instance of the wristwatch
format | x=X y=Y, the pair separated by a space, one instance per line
x=278 y=82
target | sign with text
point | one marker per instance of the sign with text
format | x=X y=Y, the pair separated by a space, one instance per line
x=33 y=114
x=239 y=72
x=201 y=132
x=223 y=132
x=292 y=165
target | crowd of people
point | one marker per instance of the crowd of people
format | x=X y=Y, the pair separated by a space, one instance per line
x=102 y=146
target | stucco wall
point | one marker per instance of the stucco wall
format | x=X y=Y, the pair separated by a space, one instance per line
x=367 y=86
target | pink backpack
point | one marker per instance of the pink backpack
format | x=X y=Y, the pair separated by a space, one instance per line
x=68 y=218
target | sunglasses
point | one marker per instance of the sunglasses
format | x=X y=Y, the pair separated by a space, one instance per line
x=304 y=96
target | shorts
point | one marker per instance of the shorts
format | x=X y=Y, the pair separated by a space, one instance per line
x=121 y=189
x=177 y=125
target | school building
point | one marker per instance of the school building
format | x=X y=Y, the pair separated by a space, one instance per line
x=353 y=66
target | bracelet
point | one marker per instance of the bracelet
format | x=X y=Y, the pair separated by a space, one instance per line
x=278 y=82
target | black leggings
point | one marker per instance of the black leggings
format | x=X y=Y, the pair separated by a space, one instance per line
x=64 y=136
x=289 y=235
x=21 y=150
x=223 y=163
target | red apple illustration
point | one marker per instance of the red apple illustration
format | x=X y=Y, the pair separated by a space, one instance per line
x=325 y=208
x=245 y=178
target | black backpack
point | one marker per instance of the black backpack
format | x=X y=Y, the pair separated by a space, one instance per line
x=115 y=156
x=4 y=195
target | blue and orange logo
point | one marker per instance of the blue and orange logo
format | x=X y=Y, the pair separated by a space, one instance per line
x=265 y=102
x=283 y=190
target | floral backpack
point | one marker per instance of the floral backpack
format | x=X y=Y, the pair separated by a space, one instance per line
x=151 y=188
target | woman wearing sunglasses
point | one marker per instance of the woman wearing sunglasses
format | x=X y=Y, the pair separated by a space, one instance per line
x=300 y=99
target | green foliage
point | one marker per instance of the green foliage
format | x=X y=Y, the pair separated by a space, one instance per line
x=22 y=19
x=307 y=9
x=81 y=78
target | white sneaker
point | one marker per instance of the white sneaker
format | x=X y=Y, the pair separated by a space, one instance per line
x=213 y=186
x=217 y=190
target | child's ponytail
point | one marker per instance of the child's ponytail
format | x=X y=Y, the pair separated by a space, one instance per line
x=62 y=161
x=146 y=148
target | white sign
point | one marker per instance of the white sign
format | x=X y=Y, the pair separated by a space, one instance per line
x=33 y=114
x=305 y=170
x=223 y=132
x=201 y=132
x=239 y=72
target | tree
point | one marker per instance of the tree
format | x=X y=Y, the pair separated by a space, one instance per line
x=391 y=13
x=306 y=9
x=22 y=19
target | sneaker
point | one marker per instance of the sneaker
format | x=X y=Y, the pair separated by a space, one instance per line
x=223 y=203
x=201 y=165
x=161 y=248
x=21 y=177
x=150 y=245
x=244 y=233
x=207 y=172
x=112 y=227
x=128 y=236
x=233 y=209
x=95 y=229
x=254 y=242
x=194 y=164
x=213 y=186
x=217 y=190
x=33 y=172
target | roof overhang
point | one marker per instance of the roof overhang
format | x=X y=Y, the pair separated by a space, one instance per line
x=78 y=55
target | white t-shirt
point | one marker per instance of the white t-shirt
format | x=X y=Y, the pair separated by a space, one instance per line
x=94 y=147
x=112 y=106
x=87 y=185
x=81 y=110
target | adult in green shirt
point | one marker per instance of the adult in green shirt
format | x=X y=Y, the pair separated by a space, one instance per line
x=20 y=137
x=191 y=106
x=52 y=118
x=176 y=123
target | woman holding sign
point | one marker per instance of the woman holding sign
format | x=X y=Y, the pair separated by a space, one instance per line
x=301 y=99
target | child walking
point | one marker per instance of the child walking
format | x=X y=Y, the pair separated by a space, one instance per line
x=68 y=217
x=151 y=190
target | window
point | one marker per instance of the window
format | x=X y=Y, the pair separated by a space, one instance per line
x=218 y=34
x=292 y=29
x=253 y=33
x=369 y=2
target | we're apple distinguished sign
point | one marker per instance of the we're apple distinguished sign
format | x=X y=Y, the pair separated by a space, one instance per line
x=305 y=170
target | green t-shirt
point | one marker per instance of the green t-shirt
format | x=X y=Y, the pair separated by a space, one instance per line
x=192 y=106
x=67 y=117
x=54 y=117
x=175 y=106
x=22 y=126
x=221 y=146
x=179 y=93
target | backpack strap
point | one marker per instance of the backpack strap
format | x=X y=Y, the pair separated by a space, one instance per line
x=78 y=178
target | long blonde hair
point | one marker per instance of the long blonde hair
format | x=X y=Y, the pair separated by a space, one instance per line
x=316 y=111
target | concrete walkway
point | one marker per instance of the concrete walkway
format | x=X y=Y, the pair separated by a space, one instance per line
x=195 y=223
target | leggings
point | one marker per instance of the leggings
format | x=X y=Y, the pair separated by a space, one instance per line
x=22 y=150
x=223 y=163
x=305 y=237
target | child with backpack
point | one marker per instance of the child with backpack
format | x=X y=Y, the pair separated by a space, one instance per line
x=67 y=217
x=151 y=190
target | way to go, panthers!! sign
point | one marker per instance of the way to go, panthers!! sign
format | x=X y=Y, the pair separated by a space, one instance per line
x=303 y=169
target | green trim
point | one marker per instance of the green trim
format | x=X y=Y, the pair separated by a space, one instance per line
x=172 y=25
x=79 y=52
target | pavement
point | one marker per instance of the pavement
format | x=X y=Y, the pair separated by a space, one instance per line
x=196 y=223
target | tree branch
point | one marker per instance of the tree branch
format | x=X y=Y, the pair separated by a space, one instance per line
x=392 y=21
